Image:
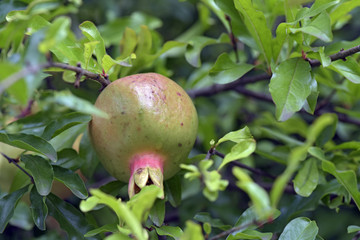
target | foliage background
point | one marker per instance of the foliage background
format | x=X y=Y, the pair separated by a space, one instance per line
x=328 y=203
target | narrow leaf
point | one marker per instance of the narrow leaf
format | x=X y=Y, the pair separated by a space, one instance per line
x=39 y=210
x=170 y=231
x=241 y=150
x=66 y=98
x=72 y=180
x=256 y=24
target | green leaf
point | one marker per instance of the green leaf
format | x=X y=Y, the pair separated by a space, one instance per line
x=341 y=10
x=122 y=211
x=157 y=212
x=90 y=31
x=172 y=189
x=257 y=26
x=350 y=69
x=57 y=32
x=307 y=178
x=39 y=210
x=213 y=183
x=72 y=180
x=89 y=48
x=249 y=218
x=225 y=70
x=325 y=60
x=238 y=136
x=192 y=232
x=245 y=146
x=69 y=158
x=108 y=62
x=290 y=85
x=141 y=203
x=66 y=98
x=42 y=172
x=258 y=195
x=18 y=89
x=353 y=228
x=318 y=7
x=205 y=217
x=250 y=234
x=87 y=153
x=300 y=228
x=29 y=142
x=319 y=27
x=63 y=123
x=196 y=45
x=346 y=177
x=174 y=232
x=69 y=217
x=103 y=229
x=8 y=204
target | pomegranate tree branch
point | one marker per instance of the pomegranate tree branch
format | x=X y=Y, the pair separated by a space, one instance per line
x=35 y=69
x=222 y=235
x=339 y=55
x=217 y=88
x=15 y=162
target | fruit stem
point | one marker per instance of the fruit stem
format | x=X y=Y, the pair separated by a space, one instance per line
x=146 y=169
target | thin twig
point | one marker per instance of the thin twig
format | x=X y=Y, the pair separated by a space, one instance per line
x=241 y=165
x=217 y=88
x=233 y=39
x=34 y=69
x=342 y=54
x=238 y=228
x=15 y=162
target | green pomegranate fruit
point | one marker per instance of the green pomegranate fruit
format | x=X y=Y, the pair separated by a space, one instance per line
x=151 y=129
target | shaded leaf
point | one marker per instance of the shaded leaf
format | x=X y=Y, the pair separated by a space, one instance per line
x=63 y=123
x=70 y=218
x=157 y=212
x=172 y=189
x=8 y=204
x=39 y=210
x=29 y=142
x=205 y=217
x=72 y=180
x=41 y=171
x=346 y=177
x=103 y=229
x=318 y=7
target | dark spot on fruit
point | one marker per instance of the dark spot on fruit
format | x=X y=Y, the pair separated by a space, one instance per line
x=179 y=144
x=179 y=94
x=139 y=129
x=182 y=124
x=122 y=112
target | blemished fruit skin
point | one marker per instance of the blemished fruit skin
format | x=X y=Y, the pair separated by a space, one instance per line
x=152 y=123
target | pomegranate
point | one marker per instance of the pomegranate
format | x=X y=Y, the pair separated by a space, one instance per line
x=151 y=129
